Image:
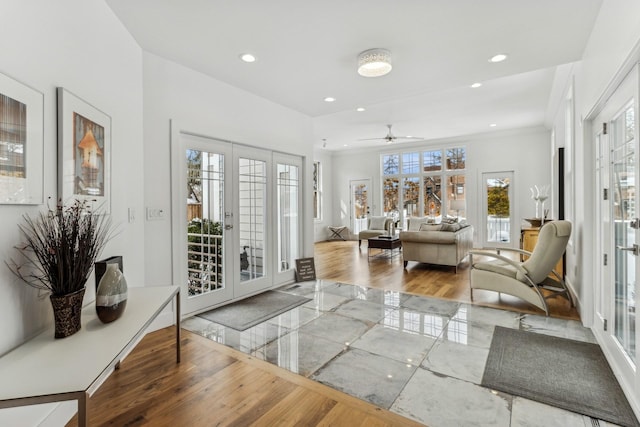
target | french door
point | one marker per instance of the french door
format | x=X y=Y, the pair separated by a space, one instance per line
x=616 y=147
x=360 y=204
x=230 y=239
x=498 y=209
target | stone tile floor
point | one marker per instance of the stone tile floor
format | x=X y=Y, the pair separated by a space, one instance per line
x=420 y=357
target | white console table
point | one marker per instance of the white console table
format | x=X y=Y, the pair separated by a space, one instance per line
x=45 y=369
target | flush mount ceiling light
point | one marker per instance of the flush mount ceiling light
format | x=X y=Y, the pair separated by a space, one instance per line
x=374 y=62
x=360 y=109
x=329 y=99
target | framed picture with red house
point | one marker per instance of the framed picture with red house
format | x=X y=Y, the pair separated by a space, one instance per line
x=84 y=152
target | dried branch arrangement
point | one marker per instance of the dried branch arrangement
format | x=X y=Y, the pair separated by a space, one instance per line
x=61 y=247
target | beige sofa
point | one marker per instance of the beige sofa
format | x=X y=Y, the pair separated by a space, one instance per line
x=376 y=226
x=435 y=244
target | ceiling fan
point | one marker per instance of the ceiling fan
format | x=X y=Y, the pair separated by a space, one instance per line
x=390 y=137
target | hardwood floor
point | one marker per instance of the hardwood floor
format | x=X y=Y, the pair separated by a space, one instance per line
x=215 y=385
x=343 y=261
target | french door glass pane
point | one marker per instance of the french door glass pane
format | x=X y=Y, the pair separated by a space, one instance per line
x=252 y=197
x=411 y=196
x=498 y=210
x=624 y=211
x=287 y=188
x=205 y=205
x=433 y=195
x=360 y=201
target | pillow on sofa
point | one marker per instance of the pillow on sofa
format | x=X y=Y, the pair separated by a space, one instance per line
x=416 y=221
x=431 y=227
x=449 y=220
x=450 y=227
x=377 y=222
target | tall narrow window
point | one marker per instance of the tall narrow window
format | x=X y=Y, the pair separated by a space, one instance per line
x=411 y=195
x=317 y=192
x=390 y=196
x=432 y=195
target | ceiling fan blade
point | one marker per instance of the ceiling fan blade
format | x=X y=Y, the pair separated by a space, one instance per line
x=372 y=139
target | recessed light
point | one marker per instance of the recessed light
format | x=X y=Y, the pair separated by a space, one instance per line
x=493 y=125
x=346 y=145
x=476 y=85
x=329 y=99
x=360 y=109
x=498 y=58
x=247 y=57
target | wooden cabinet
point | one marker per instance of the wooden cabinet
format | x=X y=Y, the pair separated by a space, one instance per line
x=528 y=241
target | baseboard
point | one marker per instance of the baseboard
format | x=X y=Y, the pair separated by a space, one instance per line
x=576 y=300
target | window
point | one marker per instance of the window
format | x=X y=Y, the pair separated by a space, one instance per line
x=317 y=192
x=431 y=181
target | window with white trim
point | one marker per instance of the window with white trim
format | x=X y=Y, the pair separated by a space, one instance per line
x=424 y=183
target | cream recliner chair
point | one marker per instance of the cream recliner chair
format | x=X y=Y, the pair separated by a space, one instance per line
x=525 y=279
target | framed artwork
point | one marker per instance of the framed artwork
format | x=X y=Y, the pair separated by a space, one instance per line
x=21 y=143
x=84 y=152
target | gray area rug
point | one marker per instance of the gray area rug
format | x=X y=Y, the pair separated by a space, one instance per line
x=251 y=311
x=568 y=374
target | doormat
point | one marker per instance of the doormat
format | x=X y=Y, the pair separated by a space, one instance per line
x=568 y=374
x=254 y=310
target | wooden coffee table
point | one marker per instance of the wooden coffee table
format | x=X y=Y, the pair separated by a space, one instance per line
x=388 y=246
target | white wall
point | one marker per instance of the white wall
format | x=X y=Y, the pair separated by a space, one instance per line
x=80 y=45
x=215 y=109
x=524 y=151
x=320 y=230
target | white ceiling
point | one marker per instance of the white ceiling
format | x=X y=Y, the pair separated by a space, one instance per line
x=307 y=50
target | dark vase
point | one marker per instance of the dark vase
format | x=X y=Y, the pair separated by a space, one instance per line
x=66 y=313
x=111 y=296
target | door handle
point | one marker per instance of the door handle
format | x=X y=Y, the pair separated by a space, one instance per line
x=228 y=226
x=635 y=249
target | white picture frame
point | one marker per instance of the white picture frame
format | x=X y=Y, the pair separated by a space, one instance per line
x=84 y=152
x=21 y=143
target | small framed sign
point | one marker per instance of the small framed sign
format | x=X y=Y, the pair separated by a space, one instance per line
x=305 y=269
